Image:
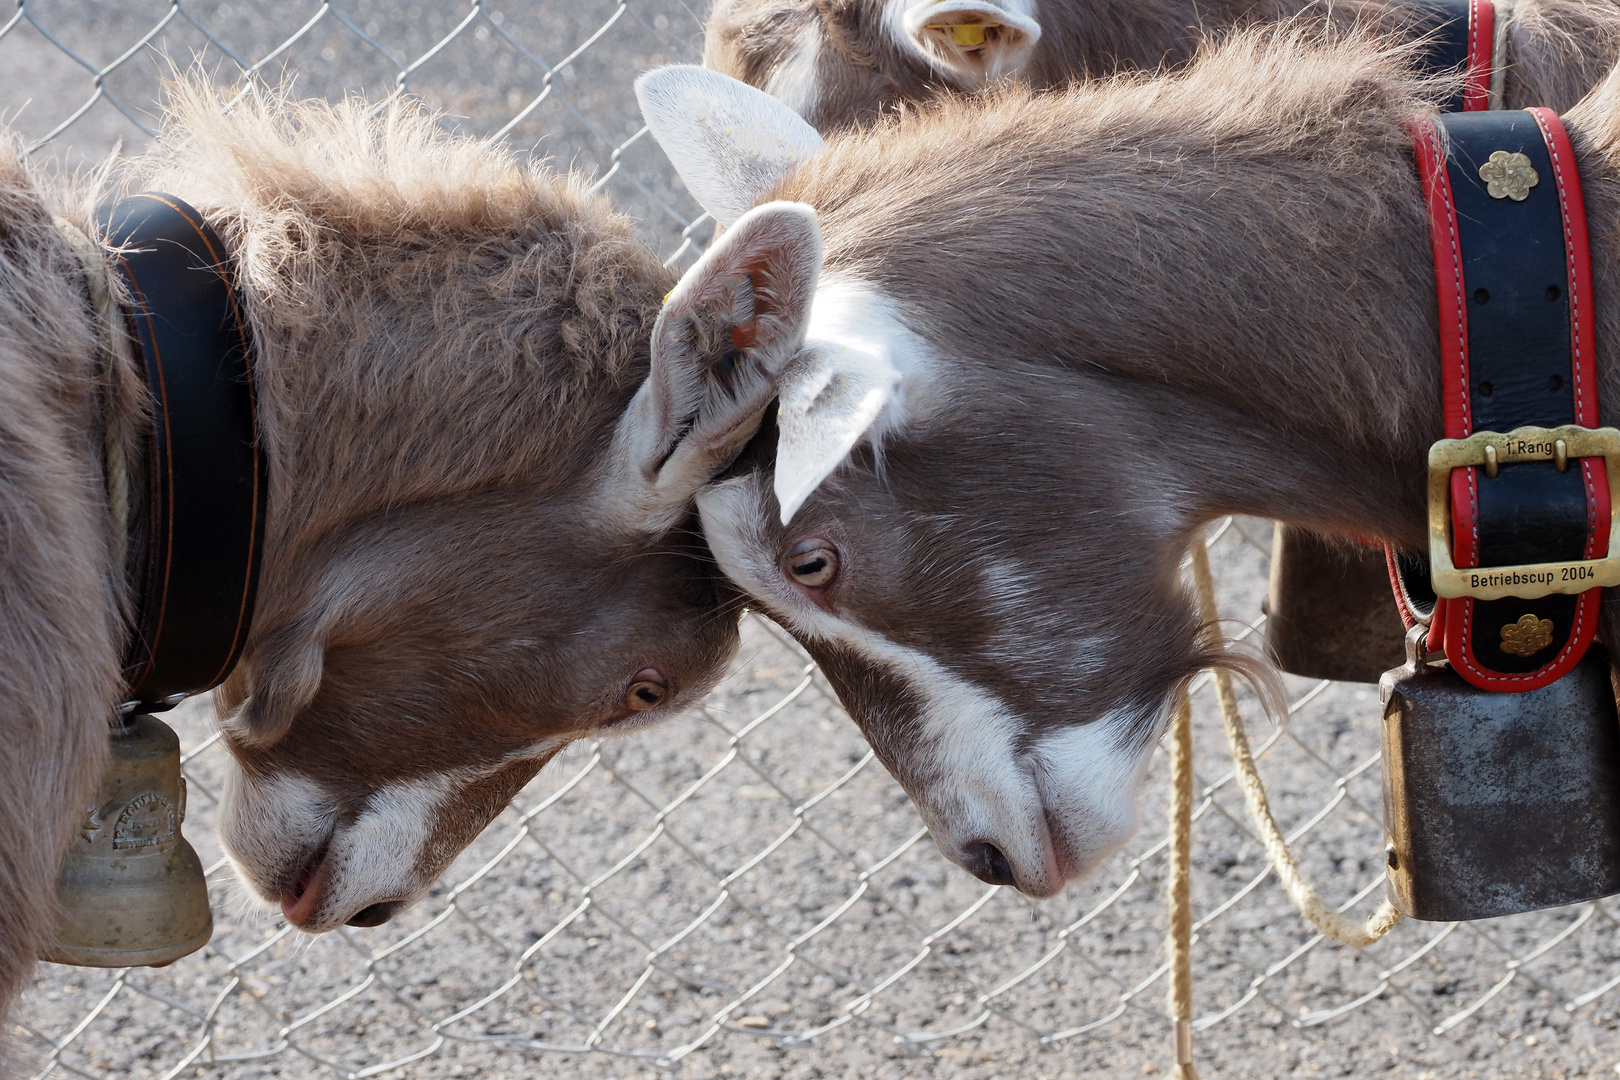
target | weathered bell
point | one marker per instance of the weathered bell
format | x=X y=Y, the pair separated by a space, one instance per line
x=1330 y=613
x=1499 y=803
x=131 y=889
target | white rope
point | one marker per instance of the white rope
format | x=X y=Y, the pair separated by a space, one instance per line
x=1310 y=905
x=1325 y=919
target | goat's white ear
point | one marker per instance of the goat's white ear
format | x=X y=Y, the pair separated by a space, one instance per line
x=730 y=142
x=830 y=396
x=727 y=330
x=973 y=41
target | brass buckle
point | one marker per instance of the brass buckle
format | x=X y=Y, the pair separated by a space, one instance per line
x=1492 y=449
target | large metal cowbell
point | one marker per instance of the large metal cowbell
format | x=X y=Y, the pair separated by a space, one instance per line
x=131 y=889
x=1494 y=803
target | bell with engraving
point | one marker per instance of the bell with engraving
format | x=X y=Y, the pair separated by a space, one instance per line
x=1330 y=613
x=1495 y=804
x=131 y=890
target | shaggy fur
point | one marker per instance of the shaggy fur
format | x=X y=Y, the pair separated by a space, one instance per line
x=1557 y=49
x=1149 y=303
x=61 y=637
x=446 y=341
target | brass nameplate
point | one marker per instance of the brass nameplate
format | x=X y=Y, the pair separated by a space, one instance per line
x=1510 y=449
x=1533 y=580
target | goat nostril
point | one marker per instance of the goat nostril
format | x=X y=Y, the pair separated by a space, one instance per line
x=375 y=915
x=989 y=865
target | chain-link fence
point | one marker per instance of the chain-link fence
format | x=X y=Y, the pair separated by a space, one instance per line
x=745 y=891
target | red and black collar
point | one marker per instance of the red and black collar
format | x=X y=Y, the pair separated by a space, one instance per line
x=1520 y=494
x=1460 y=35
x=206 y=479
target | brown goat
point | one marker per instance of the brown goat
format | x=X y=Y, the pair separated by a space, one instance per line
x=459 y=578
x=843 y=62
x=1049 y=337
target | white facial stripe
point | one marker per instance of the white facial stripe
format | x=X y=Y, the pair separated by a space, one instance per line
x=272 y=823
x=271 y=826
x=1089 y=776
x=378 y=857
x=977 y=788
x=794 y=82
x=1080 y=779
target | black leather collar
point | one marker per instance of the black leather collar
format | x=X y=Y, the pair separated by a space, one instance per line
x=205 y=470
x=1459 y=36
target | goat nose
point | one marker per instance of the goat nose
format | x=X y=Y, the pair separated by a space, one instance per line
x=986 y=862
x=375 y=914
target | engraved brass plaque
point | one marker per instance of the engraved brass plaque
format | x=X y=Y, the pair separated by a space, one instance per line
x=1535 y=579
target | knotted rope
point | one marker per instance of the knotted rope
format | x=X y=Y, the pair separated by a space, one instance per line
x=1326 y=920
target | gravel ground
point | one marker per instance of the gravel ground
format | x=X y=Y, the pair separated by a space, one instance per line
x=744 y=892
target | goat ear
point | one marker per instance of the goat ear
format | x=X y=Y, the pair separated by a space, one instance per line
x=285 y=676
x=830 y=396
x=973 y=41
x=730 y=142
x=724 y=336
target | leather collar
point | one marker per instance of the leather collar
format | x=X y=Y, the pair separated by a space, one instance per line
x=1514 y=286
x=1462 y=35
x=206 y=479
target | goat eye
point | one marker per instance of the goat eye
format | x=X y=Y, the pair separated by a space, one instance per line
x=646 y=691
x=812 y=563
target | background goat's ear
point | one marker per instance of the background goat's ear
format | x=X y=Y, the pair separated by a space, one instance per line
x=730 y=142
x=974 y=41
x=724 y=336
x=830 y=397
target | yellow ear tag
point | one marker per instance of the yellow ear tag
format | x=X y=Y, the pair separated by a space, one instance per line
x=665 y=301
x=967 y=35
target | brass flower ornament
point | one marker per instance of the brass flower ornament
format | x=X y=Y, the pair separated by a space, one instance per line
x=1509 y=176
x=1526 y=637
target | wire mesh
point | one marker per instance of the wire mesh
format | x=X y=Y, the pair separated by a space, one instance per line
x=745 y=891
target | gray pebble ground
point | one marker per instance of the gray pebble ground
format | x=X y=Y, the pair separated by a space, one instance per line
x=531 y=957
